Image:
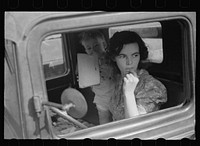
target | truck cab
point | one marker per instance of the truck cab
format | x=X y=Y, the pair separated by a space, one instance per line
x=40 y=63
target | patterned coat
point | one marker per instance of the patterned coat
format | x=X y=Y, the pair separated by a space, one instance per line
x=149 y=93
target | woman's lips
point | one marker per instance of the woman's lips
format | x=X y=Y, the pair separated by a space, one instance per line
x=129 y=70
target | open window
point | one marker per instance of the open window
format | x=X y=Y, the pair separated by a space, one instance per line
x=165 y=40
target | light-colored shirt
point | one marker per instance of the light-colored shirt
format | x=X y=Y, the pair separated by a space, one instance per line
x=105 y=89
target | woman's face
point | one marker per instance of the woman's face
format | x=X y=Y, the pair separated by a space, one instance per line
x=128 y=59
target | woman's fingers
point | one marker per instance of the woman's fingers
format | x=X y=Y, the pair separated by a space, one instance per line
x=130 y=82
x=134 y=74
x=125 y=79
x=128 y=77
x=131 y=76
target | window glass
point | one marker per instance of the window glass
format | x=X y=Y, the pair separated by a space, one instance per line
x=52 y=56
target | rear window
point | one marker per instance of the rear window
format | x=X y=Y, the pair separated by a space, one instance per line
x=54 y=62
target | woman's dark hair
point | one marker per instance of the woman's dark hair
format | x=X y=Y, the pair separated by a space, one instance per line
x=119 y=39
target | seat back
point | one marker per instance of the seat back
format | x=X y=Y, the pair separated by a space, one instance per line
x=175 y=94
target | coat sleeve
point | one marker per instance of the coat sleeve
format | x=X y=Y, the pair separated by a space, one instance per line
x=152 y=95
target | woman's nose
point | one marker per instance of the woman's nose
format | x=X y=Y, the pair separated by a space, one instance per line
x=129 y=61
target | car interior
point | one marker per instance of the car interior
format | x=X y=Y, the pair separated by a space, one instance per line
x=169 y=71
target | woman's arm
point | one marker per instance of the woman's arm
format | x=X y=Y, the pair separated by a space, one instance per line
x=130 y=106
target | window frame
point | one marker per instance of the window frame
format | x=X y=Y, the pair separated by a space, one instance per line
x=115 y=128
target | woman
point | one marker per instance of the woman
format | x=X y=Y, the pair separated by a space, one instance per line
x=136 y=92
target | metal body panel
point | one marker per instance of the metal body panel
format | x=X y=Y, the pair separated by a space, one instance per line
x=172 y=123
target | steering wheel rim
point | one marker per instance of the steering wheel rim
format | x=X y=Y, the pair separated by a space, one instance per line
x=71 y=95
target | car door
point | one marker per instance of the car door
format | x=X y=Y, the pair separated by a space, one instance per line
x=173 y=122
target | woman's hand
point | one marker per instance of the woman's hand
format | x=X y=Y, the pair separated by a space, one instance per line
x=130 y=83
x=130 y=106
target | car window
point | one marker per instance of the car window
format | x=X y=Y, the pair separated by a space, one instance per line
x=163 y=40
x=53 y=59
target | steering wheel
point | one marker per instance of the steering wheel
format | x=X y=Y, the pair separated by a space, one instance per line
x=78 y=105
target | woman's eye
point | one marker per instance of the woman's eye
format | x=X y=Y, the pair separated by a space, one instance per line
x=121 y=56
x=135 y=55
